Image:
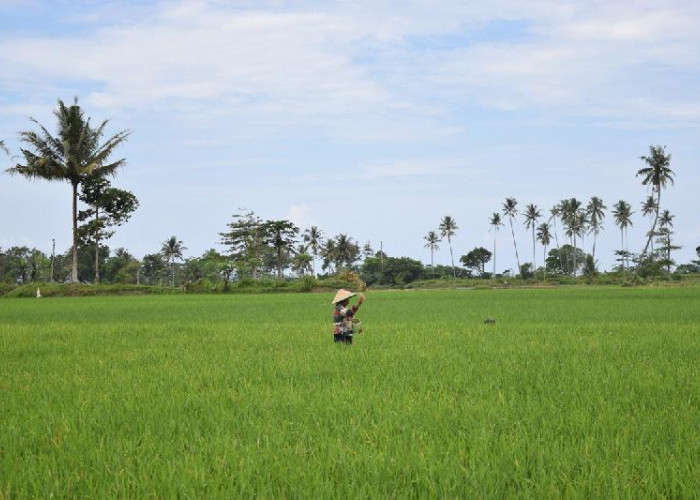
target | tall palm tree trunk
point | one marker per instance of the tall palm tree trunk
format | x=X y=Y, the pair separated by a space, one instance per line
x=97 y=248
x=74 y=270
x=544 y=262
x=494 y=254
x=653 y=227
x=512 y=232
x=534 y=261
x=595 y=237
x=622 y=245
x=452 y=259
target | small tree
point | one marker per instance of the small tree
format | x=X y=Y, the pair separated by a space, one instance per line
x=171 y=250
x=281 y=236
x=476 y=259
x=109 y=207
x=246 y=242
x=431 y=242
x=665 y=231
x=153 y=268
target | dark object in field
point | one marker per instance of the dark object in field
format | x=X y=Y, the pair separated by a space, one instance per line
x=490 y=321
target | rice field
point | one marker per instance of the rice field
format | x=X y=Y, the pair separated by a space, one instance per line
x=581 y=392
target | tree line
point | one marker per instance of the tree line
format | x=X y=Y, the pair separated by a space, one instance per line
x=79 y=154
x=578 y=220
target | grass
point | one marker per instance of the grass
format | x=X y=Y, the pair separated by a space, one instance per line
x=578 y=393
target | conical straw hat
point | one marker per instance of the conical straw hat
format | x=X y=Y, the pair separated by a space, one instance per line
x=342 y=295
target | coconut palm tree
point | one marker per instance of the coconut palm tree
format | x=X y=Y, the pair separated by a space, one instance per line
x=4 y=148
x=346 y=250
x=544 y=236
x=554 y=214
x=574 y=220
x=329 y=253
x=532 y=215
x=172 y=249
x=622 y=211
x=448 y=227
x=496 y=223
x=432 y=239
x=649 y=209
x=314 y=237
x=575 y=227
x=595 y=210
x=73 y=155
x=657 y=173
x=665 y=225
x=302 y=262
x=510 y=210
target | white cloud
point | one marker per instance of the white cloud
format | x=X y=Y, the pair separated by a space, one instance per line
x=298 y=215
x=342 y=66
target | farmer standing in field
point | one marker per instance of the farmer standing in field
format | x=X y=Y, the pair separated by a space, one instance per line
x=342 y=315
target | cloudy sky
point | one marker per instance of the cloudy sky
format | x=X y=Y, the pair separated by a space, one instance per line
x=370 y=118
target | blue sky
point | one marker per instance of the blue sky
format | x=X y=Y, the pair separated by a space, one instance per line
x=370 y=118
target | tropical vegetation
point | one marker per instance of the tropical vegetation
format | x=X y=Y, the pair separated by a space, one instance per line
x=254 y=248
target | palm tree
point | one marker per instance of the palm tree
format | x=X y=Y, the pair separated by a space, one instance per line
x=314 y=237
x=71 y=156
x=544 y=236
x=172 y=249
x=649 y=209
x=448 y=228
x=4 y=148
x=510 y=211
x=595 y=210
x=576 y=225
x=532 y=214
x=329 y=253
x=432 y=239
x=622 y=211
x=657 y=173
x=665 y=225
x=574 y=221
x=554 y=214
x=496 y=223
x=347 y=251
x=302 y=261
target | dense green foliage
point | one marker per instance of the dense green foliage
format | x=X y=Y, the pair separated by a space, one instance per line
x=583 y=392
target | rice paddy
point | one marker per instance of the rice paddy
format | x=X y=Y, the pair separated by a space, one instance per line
x=581 y=392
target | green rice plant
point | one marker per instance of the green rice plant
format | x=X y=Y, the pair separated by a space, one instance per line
x=580 y=392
